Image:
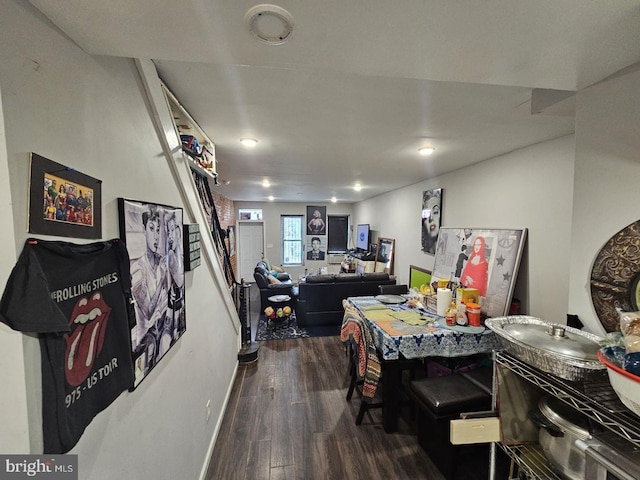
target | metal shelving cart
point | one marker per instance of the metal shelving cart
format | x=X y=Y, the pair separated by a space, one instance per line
x=594 y=398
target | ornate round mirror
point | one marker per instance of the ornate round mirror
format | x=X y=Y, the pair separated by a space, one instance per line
x=615 y=277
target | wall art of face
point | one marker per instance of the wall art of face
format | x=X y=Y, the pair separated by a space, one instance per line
x=173 y=233
x=432 y=221
x=152 y=234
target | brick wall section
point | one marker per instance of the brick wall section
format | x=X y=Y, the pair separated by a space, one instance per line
x=227 y=217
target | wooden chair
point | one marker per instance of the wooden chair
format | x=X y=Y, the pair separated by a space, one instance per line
x=364 y=362
x=357 y=382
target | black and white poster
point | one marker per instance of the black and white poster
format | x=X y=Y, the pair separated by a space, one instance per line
x=430 y=219
x=316 y=220
x=78 y=299
x=316 y=248
x=153 y=235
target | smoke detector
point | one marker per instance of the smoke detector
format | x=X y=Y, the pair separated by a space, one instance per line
x=270 y=24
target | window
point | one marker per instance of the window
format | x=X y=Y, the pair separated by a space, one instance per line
x=338 y=233
x=250 y=214
x=291 y=230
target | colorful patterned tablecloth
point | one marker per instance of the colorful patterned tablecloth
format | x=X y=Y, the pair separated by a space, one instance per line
x=393 y=336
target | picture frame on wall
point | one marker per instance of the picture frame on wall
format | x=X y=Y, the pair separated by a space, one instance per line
x=430 y=219
x=316 y=220
x=384 y=253
x=153 y=234
x=316 y=248
x=483 y=258
x=62 y=201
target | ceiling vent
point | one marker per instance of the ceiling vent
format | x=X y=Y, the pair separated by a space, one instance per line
x=270 y=24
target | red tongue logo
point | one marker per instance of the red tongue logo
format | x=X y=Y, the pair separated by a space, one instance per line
x=88 y=326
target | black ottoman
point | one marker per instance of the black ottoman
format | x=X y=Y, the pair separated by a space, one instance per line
x=440 y=400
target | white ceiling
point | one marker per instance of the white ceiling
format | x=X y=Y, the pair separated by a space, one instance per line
x=361 y=84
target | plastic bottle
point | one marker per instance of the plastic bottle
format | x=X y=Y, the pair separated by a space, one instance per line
x=461 y=319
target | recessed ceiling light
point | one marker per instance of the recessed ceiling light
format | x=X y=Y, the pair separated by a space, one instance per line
x=271 y=198
x=334 y=199
x=357 y=187
x=426 y=151
x=249 y=142
x=266 y=184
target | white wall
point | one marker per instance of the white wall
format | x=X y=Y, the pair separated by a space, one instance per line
x=89 y=113
x=607 y=179
x=13 y=396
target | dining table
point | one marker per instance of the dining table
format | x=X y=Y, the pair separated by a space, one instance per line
x=402 y=332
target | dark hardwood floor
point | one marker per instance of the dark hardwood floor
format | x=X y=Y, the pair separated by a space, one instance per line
x=288 y=418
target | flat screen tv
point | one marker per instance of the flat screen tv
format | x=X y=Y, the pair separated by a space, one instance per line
x=363 y=233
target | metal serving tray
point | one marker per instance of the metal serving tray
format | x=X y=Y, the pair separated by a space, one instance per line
x=566 y=352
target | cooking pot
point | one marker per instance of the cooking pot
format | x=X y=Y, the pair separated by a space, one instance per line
x=560 y=426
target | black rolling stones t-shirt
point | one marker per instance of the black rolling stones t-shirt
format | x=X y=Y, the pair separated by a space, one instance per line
x=77 y=297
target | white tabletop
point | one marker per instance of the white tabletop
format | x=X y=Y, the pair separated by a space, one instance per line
x=279 y=298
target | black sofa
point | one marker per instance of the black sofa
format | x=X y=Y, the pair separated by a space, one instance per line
x=268 y=289
x=319 y=305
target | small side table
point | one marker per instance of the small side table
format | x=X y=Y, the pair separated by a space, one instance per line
x=279 y=301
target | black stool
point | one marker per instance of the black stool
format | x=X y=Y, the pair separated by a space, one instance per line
x=442 y=399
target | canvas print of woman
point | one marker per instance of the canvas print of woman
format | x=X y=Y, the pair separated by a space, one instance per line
x=475 y=273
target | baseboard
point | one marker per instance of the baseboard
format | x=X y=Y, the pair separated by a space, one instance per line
x=216 y=431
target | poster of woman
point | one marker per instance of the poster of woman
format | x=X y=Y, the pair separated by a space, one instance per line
x=486 y=259
x=153 y=235
x=475 y=273
x=431 y=207
x=316 y=220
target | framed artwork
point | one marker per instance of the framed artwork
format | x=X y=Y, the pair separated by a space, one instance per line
x=316 y=248
x=484 y=258
x=63 y=201
x=316 y=220
x=418 y=276
x=153 y=236
x=430 y=221
x=250 y=214
x=384 y=253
